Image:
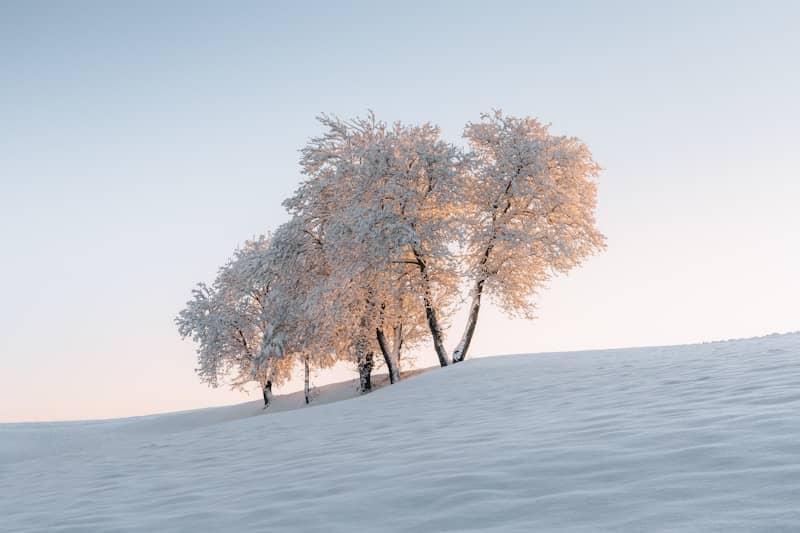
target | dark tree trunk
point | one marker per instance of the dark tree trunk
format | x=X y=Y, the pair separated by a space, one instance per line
x=460 y=352
x=388 y=356
x=430 y=313
x=306 y=388
x=365 y=363
x=436 y=332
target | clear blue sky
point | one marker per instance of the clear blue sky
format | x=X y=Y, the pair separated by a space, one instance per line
x=140 y=142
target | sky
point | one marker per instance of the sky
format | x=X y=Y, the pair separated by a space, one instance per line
x=141 y=142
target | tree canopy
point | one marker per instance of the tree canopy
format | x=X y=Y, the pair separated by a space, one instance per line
x=390 y=226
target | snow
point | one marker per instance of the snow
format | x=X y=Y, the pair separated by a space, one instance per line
x=685 y=438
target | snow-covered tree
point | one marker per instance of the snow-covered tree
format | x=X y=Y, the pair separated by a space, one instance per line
x=531 y=200
x=408 y=183
x=519 y=207
x=229 y=320
x=294 y=330
x=389 y=225
x=354 y=191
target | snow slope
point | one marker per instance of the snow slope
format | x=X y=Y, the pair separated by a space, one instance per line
x=685 y=438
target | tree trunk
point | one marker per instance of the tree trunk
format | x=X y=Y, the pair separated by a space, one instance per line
x=436 y=332
x=389 y=357
x=306 y=389
x=397 y=347
x=430 y=312
x=365 y=363
x=460 y=352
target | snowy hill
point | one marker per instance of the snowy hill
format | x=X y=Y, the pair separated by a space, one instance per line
x=686 y=438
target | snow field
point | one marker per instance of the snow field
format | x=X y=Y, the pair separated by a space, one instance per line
x=685 y=438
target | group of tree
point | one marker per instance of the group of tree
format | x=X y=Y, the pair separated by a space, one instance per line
x=391 y=229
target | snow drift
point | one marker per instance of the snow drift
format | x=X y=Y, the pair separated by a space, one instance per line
x=701 y=437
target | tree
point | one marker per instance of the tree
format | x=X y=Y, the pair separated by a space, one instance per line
x=519 y=207
x=410 y=186
x=299 y=270
x=229 y=320
x=353 y=194
x=389 y=225
x=531 y=201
